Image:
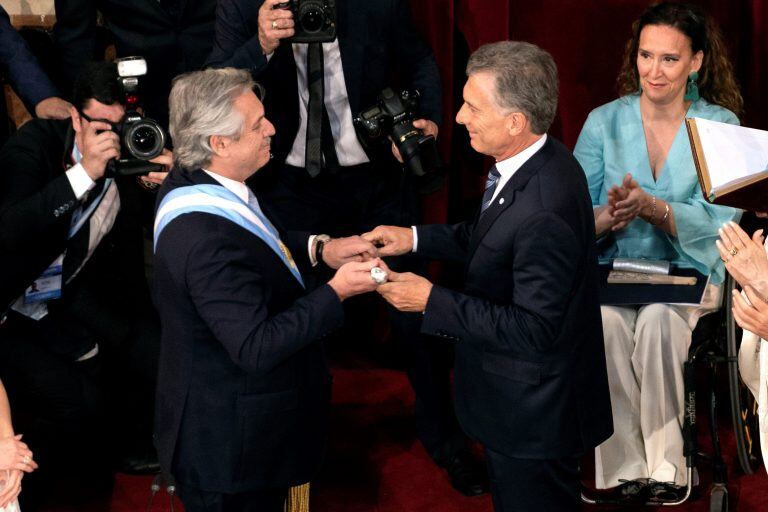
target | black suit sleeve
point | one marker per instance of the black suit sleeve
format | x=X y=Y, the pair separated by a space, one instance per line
x=236 y=43
x=35 y=210
x=545 y=264
x=416 y=62
x=24 y=73
x=443 y=242
x=229 y=292
x=74 y=32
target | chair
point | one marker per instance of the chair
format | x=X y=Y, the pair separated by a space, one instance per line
x=715 y=343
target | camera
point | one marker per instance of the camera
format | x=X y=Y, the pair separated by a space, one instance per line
x=141 y=138
x=314 y=20
x=393 y=117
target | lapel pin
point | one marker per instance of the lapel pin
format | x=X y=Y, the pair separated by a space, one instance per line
x=501 y=201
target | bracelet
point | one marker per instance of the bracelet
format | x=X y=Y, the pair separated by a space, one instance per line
x=653 y=210
x=663 y=218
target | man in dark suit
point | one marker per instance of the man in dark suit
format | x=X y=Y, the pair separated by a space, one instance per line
x=374 y=40
x=78 y=336
x=349 y=189
x=530 y=373
x=173 y=36
x=243 y=388
x=20 y=67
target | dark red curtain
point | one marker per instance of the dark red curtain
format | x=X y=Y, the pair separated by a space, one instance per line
x=586 y=39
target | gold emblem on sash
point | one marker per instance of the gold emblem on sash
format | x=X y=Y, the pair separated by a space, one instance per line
x=287 y=253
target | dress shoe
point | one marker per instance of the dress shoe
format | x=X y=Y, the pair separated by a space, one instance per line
x=631 y=491
x=468 y=474
x=666 y=492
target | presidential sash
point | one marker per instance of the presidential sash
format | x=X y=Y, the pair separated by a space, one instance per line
x=218 y=200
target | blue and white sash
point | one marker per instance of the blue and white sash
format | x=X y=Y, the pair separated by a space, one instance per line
x=218 y=200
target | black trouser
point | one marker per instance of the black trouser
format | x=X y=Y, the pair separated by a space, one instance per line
x=523 y=485
x=195 y=500
x=74 y=415
x=348 y=202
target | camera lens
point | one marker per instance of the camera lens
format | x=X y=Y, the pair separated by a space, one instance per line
x=311 y=16
x=144 y=139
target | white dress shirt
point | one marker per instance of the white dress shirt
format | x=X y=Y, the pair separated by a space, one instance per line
x=507 y=168
x=242 y=191
x=348 y=148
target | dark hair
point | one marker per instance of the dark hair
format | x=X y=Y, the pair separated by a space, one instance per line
x=717 y=83
x=97 y=81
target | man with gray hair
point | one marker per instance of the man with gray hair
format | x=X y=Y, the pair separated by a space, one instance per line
x=243 y=388
x=530 y=377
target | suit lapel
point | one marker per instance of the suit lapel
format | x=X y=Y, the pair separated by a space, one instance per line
x=506 y=197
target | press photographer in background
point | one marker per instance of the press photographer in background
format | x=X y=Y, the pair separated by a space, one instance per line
x=79 y=337
x=322 y=64
x=173 y=35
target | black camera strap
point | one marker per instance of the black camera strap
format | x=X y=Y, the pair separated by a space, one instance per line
x=319 y=137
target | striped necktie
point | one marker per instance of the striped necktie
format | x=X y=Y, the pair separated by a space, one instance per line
x=490 y=188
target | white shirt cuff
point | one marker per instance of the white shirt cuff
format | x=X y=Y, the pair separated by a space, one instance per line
x=311 y=253
x=415 y=239
x=79 y=180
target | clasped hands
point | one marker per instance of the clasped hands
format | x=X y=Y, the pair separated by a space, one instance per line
x=745 y=259
x=15 y=460
x=355 y=256
x=625 y=202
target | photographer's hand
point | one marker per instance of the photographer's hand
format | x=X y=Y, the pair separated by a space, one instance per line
x=98 y=148
x=274 y=24
x=426 y=126
x=153 y=179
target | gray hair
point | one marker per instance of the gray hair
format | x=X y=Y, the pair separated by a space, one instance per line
x=201 y=105
x=526 y=79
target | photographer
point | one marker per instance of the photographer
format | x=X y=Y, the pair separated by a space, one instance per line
x=79 y=338
x=173 y=36
x=322 y=180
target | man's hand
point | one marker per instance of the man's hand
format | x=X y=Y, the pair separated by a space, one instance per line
x=354 y=278
x=98 y=148
x=155 y=179
x=754 y=317
x=338 y=251
x=407 y=292
x=274 y=25
x=53 y=108
x=426 y=126
x=391 y=240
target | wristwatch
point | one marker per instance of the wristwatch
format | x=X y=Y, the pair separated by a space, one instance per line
x=320 y=241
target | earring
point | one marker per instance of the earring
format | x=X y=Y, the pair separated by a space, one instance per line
x=692 y=87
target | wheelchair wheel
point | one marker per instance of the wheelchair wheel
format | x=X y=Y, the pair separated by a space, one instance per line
x=718 y=499
x=743 y=404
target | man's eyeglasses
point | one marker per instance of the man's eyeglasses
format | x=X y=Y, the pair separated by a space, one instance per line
x=115 y=126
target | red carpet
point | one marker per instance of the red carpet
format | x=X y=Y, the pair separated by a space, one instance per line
x=375 y=464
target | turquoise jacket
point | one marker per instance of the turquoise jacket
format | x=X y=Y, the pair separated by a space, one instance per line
x=612 y=143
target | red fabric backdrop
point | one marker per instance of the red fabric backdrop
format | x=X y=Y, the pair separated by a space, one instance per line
x=586 y=39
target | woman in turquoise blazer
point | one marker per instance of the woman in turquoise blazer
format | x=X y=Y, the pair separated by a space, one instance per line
x=647 y=202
